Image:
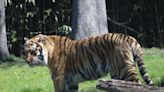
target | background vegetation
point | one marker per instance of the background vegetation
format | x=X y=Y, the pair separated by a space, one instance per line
x=142 y=19
x=17 y=76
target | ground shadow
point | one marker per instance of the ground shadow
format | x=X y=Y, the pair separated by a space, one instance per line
x=6 y=65
x=32 y=90
x=12 y=60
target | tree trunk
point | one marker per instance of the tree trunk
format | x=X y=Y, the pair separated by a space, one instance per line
x=88 y=18
x=102 y=16
x=3 y=40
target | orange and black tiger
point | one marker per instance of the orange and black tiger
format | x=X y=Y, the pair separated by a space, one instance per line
x=74 y=61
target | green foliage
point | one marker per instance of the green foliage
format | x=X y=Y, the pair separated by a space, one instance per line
x=30 y=17
x=65 y=30
x=13 y=36
x=36 y=16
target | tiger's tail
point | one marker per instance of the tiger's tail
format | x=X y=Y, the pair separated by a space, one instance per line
x=138 y=57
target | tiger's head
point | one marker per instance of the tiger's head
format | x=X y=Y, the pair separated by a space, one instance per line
x=34 y=51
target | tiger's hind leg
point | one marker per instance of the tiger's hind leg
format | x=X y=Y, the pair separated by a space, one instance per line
x=65 y=87
x=129 y=73
x=128 y=70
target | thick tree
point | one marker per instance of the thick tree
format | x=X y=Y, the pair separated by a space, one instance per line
x=88 y=18
x=3 y=40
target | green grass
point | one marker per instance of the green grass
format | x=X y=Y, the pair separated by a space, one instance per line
x=25 y=79
x=19 y=77
x=154 y=59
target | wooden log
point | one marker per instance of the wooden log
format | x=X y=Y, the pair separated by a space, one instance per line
x=124 y=86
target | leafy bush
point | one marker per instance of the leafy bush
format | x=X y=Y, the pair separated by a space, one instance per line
x=65 y=30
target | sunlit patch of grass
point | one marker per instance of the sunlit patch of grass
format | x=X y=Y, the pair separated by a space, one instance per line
x=154 y=60
x=25 y=79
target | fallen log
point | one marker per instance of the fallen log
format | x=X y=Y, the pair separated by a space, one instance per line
x=124 y=86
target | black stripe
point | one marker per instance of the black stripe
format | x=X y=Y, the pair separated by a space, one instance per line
x=112 y=35
x=89 y=74
x=107 y=41
x=91 y=42
x=128 y=38
x=103 y=42
x=77 y=57
x=117 y=39
x=141 y=64
x=110 y=44
x=91 y=60
x=83 y=48
x=124 y=37
x=103 y=67
x=93 y=73
x=143 y=71
x=74 y=58
x=129 y=74
x=92 y=63
x=71 y=55
x=81 y=73
x=99 y=48
x=81 y=58
x=96 y=44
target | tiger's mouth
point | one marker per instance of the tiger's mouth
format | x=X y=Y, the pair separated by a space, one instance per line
x=35 y=62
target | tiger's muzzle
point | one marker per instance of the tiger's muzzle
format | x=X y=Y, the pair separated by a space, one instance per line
x=35 y=61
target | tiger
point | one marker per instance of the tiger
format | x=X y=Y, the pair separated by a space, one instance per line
x=73 y=61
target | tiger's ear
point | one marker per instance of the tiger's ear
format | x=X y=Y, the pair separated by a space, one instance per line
x=41 y=38
x=25 y=39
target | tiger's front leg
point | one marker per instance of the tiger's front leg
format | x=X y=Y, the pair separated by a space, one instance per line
x=72 y=88
x=65 y=86
x=71 y=85
x=58 y=86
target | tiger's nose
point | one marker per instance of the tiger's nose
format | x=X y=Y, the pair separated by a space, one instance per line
x=28 y=61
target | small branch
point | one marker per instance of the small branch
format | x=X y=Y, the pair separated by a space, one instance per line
x=122 y=25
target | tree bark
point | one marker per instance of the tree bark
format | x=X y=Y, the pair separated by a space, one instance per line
x=4 y=53
x=102 y=16
x=88 y=18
